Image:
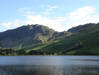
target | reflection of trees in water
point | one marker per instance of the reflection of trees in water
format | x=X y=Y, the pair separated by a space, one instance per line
x=49 y=70
x=82 y=70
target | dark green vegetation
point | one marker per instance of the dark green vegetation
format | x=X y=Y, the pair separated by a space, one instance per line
x=40 y=40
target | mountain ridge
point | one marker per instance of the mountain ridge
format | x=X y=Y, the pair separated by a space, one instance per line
x=41 y=40
x=28 y=34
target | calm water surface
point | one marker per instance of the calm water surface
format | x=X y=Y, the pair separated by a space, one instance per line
x=49 y=65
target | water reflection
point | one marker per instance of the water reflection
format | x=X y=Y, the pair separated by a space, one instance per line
x=49 y=70
x=49 y=65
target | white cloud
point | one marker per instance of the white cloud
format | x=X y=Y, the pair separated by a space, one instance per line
x=7 y=25
x=52 y=23
x=4 y=26
x=82 y=12
x=55 y=24
x=49 y=9
x=82 y=16
x=31 y=18
x=26 y=11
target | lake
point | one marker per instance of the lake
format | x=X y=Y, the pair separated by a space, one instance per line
x=49 y=65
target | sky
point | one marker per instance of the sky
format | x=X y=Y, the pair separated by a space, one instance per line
x=59 y=15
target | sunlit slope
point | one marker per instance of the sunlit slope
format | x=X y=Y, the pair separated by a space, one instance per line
x=87 y=37
x=40 y=40
x=29 y=36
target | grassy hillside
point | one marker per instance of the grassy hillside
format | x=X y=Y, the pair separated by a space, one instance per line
x=87 y=37
x=29 y=36
x=84 y=40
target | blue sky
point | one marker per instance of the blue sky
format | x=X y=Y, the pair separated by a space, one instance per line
x=57 y=14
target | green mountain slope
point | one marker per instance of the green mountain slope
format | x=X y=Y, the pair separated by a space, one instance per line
x=40 y=40
x=82 y=42
x=29 y=36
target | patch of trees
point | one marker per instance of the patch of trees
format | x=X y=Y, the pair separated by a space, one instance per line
x=7 y=52
x=35 y=52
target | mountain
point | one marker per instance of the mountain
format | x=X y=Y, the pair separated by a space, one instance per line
x=83 y=41
x=81 y=27
x=30 y=35
x=41 y=40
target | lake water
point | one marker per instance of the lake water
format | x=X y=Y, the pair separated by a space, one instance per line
x=49 y=65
